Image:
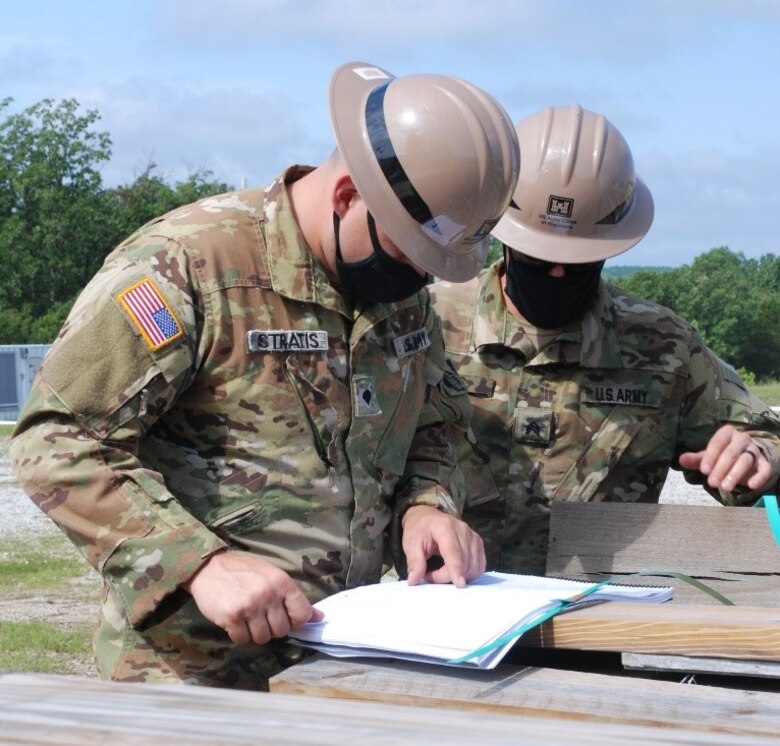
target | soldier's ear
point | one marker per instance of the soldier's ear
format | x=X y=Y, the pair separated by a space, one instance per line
x=344 y=195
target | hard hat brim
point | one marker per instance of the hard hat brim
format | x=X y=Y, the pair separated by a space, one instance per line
x=350 y=87
x=568 y=249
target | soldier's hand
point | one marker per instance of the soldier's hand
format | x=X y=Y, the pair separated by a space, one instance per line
x=427 y=532
x=248 y=597
x=731 y=458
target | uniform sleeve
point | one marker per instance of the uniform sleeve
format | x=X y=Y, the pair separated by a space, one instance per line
x=432 y=475
x=100 y=389
x=717 y=396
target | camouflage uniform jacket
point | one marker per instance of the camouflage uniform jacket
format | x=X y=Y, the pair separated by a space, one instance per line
x=601 y=412
x=262 y=413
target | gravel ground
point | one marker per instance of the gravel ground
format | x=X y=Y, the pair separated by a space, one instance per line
x=19 y=515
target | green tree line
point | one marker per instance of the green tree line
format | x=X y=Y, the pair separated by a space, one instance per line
x=58 y=221
x=732 y=301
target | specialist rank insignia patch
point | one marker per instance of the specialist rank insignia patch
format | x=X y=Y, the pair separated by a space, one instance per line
x=410 y=343
x=150 y=313
x=364 y=396
x=286 y=340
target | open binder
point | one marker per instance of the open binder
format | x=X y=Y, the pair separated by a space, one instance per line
x=473 y=626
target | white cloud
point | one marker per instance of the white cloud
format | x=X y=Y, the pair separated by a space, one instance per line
x=240 y=86
x=711 y=198
x=24 y=62
x=240 y=135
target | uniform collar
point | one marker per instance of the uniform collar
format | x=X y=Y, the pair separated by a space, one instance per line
x=594 y=344
x=491 y=318
x=296 y=273
x=294 y=270
x=599 y=343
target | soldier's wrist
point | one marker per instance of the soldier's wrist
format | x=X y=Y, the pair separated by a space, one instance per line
x=439 y=499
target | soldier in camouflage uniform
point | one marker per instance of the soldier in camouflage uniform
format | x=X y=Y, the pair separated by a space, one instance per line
x=244 y=403
x=582 y=391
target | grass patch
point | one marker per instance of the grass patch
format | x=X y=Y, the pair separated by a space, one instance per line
x=768 y=392
x=42 y=647
x=39 y=563
x=40 y=571
x=6 y=430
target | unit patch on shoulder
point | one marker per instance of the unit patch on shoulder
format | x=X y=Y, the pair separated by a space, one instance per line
x=150 y=313
x=453 y=384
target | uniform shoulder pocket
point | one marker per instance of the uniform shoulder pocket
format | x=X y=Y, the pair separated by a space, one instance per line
x=733 y=398
x=100 y=368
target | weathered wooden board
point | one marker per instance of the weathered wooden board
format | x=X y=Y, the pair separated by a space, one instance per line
x=730 y=549
x=692 y=665
x=710 y=631
x=68 y=711
x=570 y=695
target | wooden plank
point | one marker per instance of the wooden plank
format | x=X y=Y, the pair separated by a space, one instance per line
x=569 y=695
x=690 y=664
x=70 y=711
x=709 y=631
x=732 y=550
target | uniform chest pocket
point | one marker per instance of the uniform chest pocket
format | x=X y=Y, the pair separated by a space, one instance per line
x=324 y=404
x=604 y=449
x=533 y=425
x=394 y=432
x=647 y=404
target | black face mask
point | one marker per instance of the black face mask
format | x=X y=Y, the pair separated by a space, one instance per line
x=551 y=302
x=378 y=278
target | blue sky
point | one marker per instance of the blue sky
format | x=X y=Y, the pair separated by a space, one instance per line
x=240 y=87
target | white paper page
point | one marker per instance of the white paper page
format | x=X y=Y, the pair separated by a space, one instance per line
x=485 y=662
x=442 y=621
x=610 y=592
x=429 y=619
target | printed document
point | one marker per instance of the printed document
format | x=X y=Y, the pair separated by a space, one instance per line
x=440 y=623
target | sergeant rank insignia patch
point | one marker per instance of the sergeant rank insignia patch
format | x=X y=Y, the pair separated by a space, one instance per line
x=150 y=313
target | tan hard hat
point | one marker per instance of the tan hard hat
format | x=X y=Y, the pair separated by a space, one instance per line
x=434 y=158
x=577 y=198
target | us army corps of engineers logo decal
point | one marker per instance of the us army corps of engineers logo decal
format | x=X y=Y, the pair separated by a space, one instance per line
x=562 y=206
x=559 y=212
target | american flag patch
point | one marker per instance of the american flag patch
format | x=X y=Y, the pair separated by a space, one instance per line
x=150 y=313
